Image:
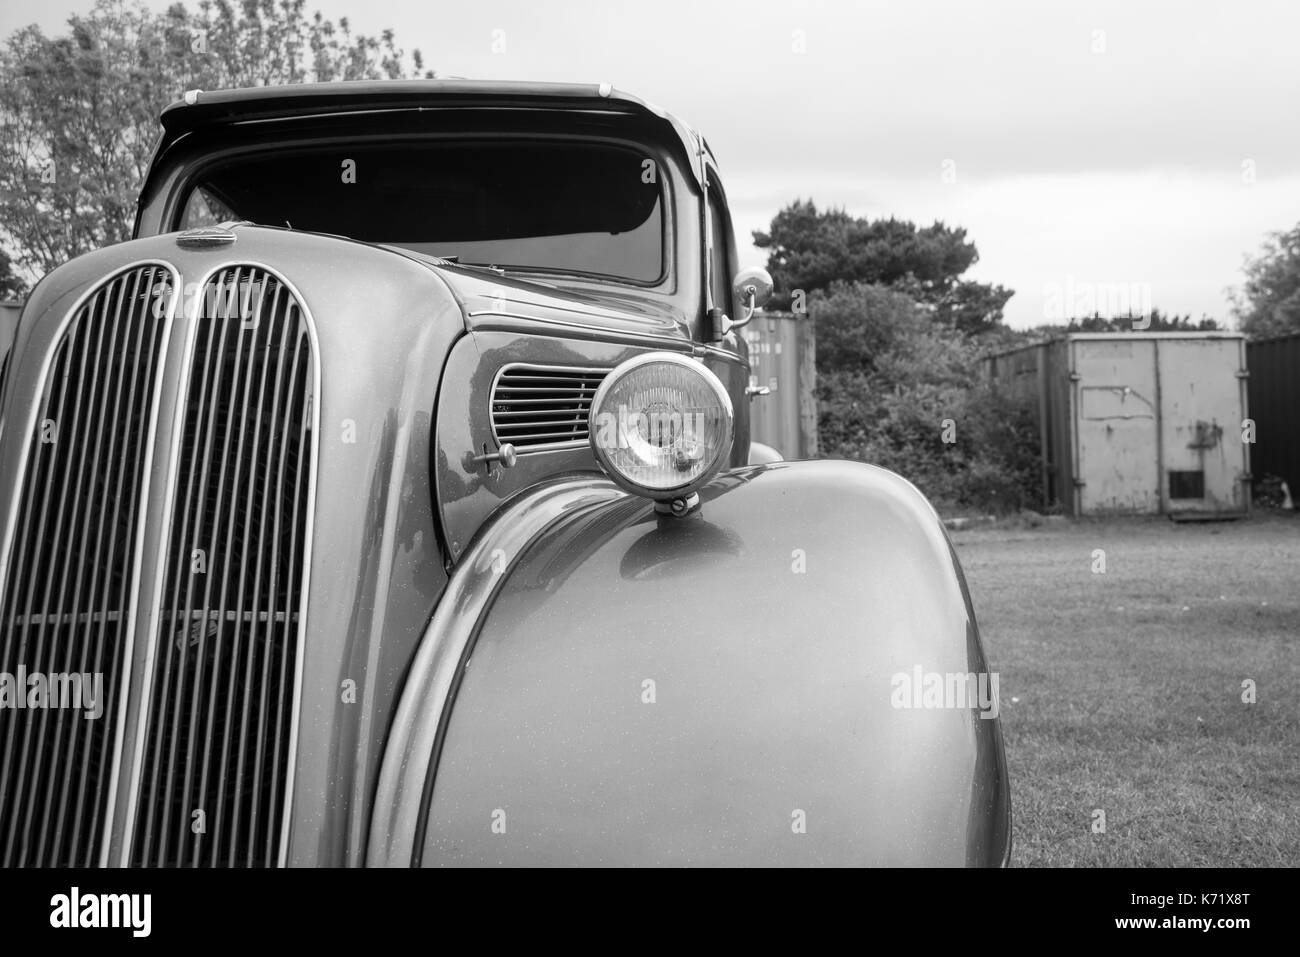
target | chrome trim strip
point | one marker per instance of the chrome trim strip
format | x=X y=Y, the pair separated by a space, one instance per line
x=11 y=521
x=424 y=705
x=296 y=712
x=128 y=652
x=540 y=367
x=155 y=591
x=589 y=313
x=679 y=343
x=551 y=447
x=607 y=331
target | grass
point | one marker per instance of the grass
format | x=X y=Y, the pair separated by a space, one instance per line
x=1122 y=690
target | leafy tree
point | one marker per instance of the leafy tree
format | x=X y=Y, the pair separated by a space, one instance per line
x=1155 y=322
x=11 y=286
x=888 y=378
x=79 y=112
x=810 y=249
x=1269 y=304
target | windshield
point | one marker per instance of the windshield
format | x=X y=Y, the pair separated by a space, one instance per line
x=566 y=207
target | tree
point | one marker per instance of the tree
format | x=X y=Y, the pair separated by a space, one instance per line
x=11 y=286
x=79 y=112
x=899 y=391
x=1269 y=305
x=811 y=249
x=1156 y=321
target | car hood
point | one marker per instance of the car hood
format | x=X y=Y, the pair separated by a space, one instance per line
x=491 y=299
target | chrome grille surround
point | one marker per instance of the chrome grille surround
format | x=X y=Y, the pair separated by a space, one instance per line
x=148 y=319
x=144 y=805
x=165 y=395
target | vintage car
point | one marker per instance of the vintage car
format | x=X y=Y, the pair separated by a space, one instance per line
x=397 y=479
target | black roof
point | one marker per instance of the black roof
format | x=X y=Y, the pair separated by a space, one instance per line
x=202 y=109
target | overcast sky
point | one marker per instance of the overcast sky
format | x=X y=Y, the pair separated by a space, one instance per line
x=1091 y=149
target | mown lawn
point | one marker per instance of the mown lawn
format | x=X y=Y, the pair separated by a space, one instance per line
x=1122 y=691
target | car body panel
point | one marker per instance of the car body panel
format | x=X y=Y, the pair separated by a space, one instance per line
x=377 y=568
x=469 y=491
x=771 y=622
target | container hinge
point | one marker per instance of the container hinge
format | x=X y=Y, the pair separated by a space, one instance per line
x=1243 y=373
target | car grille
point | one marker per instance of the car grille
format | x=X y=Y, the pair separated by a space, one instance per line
x=210 y=778
x=536 y=408
x=217 y=743
x=68 y=587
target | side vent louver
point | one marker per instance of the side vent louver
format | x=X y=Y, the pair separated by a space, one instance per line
x=539 y=408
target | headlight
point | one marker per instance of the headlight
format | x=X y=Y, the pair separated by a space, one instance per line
x=661 y=425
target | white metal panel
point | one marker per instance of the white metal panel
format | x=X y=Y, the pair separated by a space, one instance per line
x=1116 y=424
x=1201 y=409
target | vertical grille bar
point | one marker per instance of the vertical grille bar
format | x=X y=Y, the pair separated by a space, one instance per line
x=222 y=698
x=300 y=372
x=261 y=502
x=66 y=588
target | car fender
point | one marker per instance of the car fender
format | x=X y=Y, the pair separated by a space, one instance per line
x=760 y=454
x=605 y=685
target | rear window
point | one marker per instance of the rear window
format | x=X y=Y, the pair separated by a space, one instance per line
x=573 y=208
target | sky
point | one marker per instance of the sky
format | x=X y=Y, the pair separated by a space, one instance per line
x=1107 y=155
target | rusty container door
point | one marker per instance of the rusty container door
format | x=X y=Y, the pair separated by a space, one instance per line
x=1116 y=416
x=782 y=360
x=1202 y=392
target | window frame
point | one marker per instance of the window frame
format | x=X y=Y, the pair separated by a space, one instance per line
x=182 y=187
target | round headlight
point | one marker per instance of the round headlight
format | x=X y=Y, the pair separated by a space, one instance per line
x=661 y=425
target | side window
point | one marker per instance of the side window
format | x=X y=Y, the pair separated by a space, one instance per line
x=720 y=265
x=204 y=209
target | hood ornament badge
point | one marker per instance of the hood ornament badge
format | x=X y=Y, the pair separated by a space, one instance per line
x=206 y=237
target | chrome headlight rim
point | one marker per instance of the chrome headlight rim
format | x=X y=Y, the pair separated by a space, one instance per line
x=619 y=373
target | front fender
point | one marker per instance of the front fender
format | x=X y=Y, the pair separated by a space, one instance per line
x=602 y=685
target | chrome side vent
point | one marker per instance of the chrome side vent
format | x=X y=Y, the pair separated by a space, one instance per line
x=66 y=604
x=218 y=739
x=540 y=408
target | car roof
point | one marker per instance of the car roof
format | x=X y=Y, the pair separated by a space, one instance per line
x=201 y=109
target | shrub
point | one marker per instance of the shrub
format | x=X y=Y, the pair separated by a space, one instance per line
x=888 y=379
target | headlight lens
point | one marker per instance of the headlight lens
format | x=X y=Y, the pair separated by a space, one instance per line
x=661 y=425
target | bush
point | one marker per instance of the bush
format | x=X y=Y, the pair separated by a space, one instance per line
x=891 y=386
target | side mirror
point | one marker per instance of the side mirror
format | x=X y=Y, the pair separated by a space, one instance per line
x=753 y=288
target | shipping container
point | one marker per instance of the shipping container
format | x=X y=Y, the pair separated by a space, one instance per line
x=1274 y=389
x=1133 y=422
x=782 y=383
